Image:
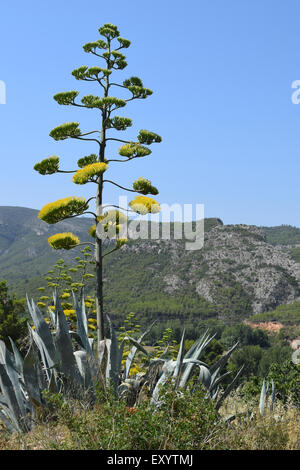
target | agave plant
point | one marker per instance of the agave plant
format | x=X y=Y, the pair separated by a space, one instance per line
x=63 y=361
x=180 y=370
x=53 y=363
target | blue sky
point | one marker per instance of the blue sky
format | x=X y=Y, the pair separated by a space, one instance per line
x=221 y=72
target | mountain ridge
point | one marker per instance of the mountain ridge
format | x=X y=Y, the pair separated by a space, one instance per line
x=236 y=274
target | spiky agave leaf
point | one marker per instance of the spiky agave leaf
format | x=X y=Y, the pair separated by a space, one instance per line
x=273 y=396
x=179 y=360
x=223 y=359
x=167 y=371
x=13 y=410
x=18 y=360
x=113 y=359
x=7 y=361
x=133 y=351
x=229 y=388
x=64 y=346
x=33 y=374
x=194 y=353
x=262 y=400
x=82 y=327
x=44 y=336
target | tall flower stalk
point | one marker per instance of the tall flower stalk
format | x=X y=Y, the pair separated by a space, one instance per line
x=91 y=168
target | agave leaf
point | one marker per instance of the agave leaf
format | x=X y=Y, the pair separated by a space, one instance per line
x=82 y=359
x=52 y=387
x=205 y=377
x=167 y=371
x=194 y=346
x=101 y=350
x=64 y=345
x=223 y=359
x=273 y=396
x=82 y=327
x=46 y=343
x=46 y=359
x=7 y=423
x=33 y=374
x=218 y=380
x=113 y=359
x=194 y=353
x=194 y=361
x=137 y=345
x=18 y=360
x=77 y=338
x=179 y=360
x=10 y=398
x=14 y=377
x=262 y=400
x=229 y=388
x=133 y=351
x=52 y=316
x=215 y=393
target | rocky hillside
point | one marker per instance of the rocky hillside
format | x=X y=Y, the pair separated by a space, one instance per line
x=266 y=273
x=236 y=273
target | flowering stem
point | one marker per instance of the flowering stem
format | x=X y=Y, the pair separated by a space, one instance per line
x=122 y=187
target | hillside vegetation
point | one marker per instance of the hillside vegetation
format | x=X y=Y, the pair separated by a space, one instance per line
x=236 y=274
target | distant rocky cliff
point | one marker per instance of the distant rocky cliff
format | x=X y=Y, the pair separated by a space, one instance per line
x=235 y=274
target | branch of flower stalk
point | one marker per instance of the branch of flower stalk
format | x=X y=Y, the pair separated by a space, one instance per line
x=86 y=243
x=92 y=140
x=111 y=251
x=127 y=160
x=122 y=187
x=117 y=84
x=90 y=199
x=118 y=207
x=88 y=133
x=92 y=213
x=119 y=140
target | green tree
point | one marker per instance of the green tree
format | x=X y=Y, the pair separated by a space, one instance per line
x=249 y=357
x=245 y=335
x=12 y=322
x=91 y=168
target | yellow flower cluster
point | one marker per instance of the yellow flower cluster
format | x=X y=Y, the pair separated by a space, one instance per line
x=92 y=231
x=65 y=241
x=62 y=208
x=113 y=216
x=65 y=295
x=84 y=175
x=111 y=224
x=144 y=186
x=144 y=205
x=70 y=313
x=133 y=150
x=121 y=242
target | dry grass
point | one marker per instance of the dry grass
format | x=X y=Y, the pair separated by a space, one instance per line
x=276 y=430
x=279 y=430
